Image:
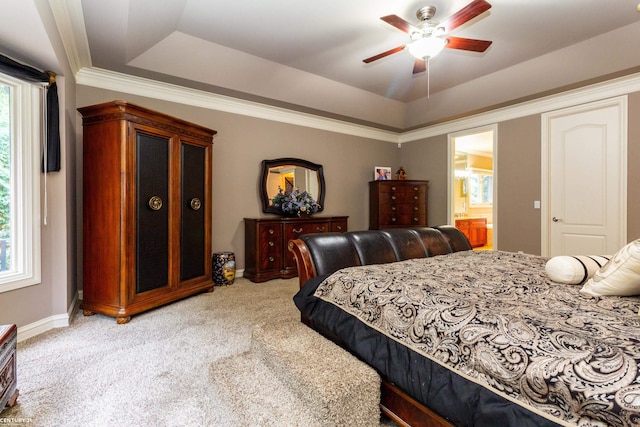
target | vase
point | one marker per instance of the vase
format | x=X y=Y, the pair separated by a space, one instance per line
x=223 y=268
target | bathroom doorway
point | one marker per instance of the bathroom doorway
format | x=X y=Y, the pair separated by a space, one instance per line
x=472 y=185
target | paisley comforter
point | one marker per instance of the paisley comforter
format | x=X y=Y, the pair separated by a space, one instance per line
x=498 y=322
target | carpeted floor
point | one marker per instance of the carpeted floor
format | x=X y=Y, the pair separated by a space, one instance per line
x=184 y=364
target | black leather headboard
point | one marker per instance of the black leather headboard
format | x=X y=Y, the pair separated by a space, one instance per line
x=332 y=251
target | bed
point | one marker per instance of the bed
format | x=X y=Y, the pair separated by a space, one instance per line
x=471 y=338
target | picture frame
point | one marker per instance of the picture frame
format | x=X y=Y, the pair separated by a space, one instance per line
x=382 y=173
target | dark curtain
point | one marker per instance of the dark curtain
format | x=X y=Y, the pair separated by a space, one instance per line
x=24 y=72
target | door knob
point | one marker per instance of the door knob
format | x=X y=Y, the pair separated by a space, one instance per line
x=554 y=219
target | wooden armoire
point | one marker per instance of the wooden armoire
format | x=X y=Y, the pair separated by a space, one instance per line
x=146 y=209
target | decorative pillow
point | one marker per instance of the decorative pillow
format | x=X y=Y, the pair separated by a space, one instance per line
x=574 y=270
x=620 y=276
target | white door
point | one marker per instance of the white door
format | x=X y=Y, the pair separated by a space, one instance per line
x=585 y=197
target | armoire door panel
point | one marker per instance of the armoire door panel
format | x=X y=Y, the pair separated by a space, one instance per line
x=192 y=246
x=152 y=219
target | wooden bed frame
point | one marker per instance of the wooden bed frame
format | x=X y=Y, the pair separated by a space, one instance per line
x=394 y=403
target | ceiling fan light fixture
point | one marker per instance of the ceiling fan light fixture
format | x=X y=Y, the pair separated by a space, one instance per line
x=427 y=47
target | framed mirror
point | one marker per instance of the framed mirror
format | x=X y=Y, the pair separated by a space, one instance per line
x=290 y=173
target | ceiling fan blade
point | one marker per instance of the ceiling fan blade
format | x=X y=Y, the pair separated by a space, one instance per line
x=399 y=23
x=467 y=13
x=419 y=66
x=467 y=44
x=383 y=54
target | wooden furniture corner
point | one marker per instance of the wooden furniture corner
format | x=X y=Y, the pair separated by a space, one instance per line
x=8 y=366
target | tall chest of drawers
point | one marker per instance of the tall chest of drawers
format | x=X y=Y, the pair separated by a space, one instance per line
x=266 y=255
x=395 y=204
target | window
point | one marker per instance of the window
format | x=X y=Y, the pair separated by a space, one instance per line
x=20 y=112
x=480 y=189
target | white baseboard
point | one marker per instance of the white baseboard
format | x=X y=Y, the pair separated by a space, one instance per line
x=44 y=325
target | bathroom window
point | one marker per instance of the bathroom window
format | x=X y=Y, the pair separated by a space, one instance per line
x=480 y=189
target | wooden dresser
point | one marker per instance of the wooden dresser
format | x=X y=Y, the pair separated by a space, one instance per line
x=397 y=204
x=475 y=229
x=8 y=382
x=146 y=209
x=265 y=243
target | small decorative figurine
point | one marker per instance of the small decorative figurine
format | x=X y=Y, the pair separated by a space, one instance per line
x=401 y=174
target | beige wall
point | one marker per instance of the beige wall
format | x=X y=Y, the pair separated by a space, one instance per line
x=633 y=168
x=427 y=159
x=519 y=184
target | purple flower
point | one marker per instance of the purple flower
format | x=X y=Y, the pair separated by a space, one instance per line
x=295 y=202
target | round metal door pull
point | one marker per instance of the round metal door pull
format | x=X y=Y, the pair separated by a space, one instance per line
x=195 y=203
x=155 y=203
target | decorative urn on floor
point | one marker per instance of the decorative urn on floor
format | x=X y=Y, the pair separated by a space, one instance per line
x=223 y=268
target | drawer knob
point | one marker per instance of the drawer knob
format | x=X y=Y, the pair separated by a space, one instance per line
x=415 y=219
x=415 y=188
x=393 y=208
x=270 y=231
x=319 y=229
x=271 y=243
x=271 y=259
x=393 y=187
x=393 y=220
x=338 y=227
x=393 y=197
x=415 y=197
x=415 y=208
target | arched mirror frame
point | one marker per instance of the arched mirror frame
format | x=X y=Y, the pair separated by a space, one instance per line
x=268 y=164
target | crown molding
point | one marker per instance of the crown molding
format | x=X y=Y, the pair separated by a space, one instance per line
x=120 y=82
x=111 y=80
x=69 y=20
x=595 y=92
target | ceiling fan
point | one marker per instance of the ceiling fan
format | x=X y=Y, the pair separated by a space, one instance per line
x=428 y=38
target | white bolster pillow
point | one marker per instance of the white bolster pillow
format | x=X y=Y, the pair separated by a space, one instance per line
x=574 y=270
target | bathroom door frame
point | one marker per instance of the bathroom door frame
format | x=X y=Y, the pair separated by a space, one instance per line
x=451 y=138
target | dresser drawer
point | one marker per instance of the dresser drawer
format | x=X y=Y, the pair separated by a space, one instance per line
x=403 y=220
x=294 y=231
x=339 y=226
x=270 y=242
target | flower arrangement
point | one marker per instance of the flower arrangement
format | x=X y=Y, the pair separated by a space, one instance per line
x=295 y=202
